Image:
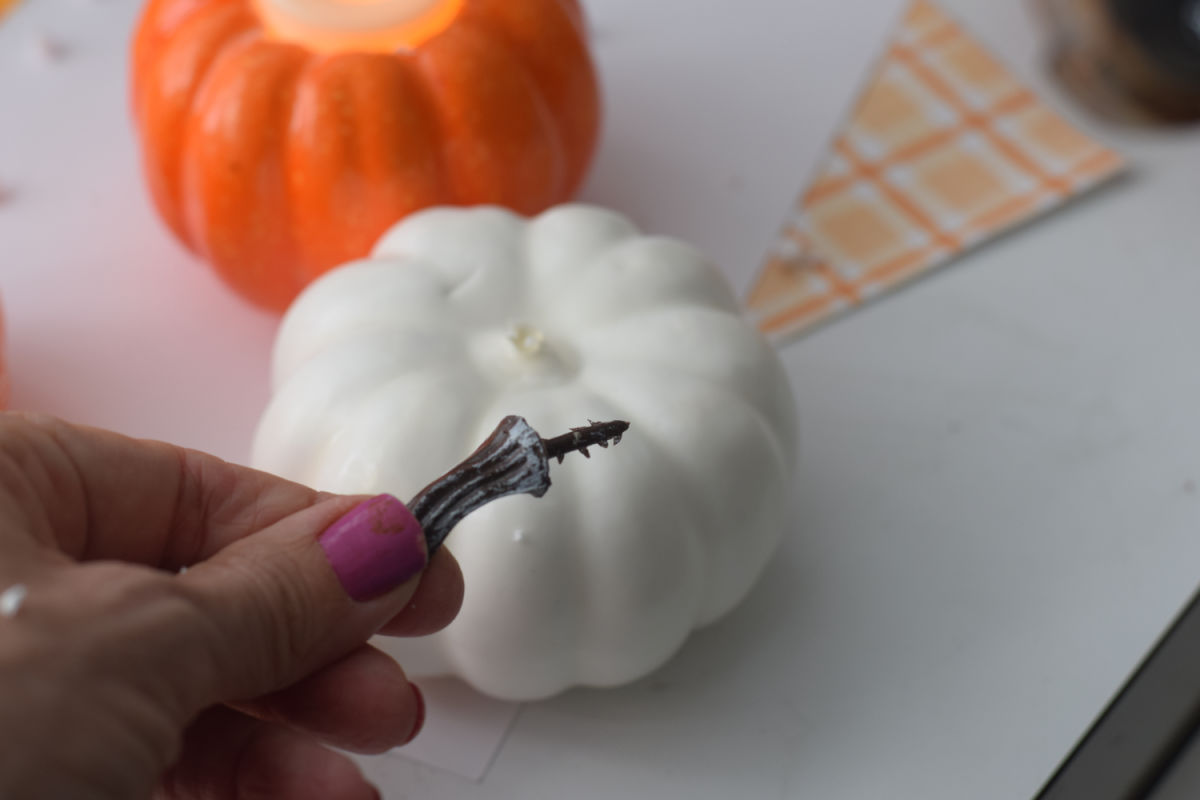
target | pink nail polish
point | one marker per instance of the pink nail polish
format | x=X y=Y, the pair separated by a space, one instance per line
x=375 y=547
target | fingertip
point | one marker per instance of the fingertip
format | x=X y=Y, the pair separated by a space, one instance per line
x=228 y=754
x=418 y=713
x=281 y=763
x=436 y=601
x=363 y=703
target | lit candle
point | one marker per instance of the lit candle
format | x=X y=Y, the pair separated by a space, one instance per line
x=340 y=25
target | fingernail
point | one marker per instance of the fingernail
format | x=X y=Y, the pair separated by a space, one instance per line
x=374 y=548
x=420 y=720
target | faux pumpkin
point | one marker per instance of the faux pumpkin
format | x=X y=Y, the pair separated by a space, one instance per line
x=282 y=137
x=389 y=370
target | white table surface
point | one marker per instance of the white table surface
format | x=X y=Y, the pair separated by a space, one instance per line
x=997 y=510
x=997 y=514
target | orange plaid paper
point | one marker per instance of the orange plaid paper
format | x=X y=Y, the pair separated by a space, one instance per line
x=944 y=150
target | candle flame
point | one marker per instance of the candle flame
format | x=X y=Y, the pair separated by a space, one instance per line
x=332 y=26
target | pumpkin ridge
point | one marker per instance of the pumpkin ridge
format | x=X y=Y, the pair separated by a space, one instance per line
x=289 y=158
x=432 y=156
x=550 y=124
x=189 y=191
x=187 y=141
x=584 y=580
x=171 y=15
x=165 y=172
x=564 y=276
x=159 y=22
x=595 y=261
x=160 y=25
x=692 y=482
x=688 y=524
x=240 y=207
x=555 y=72
x=762 y=403
x=478 y=145
x=762 y=418
x=292 y=258
x=440 y=118
x=433 y=115
x=456 y=649
x=362 y=153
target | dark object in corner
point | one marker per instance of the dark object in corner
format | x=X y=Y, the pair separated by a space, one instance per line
x=1134 y=60
x=1146 y=744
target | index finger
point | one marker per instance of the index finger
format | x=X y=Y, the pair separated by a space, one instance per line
x=95 y=494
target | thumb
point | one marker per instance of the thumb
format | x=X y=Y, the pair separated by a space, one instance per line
x=304 y=591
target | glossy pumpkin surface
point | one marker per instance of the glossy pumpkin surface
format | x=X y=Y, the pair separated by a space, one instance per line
x=276 y=161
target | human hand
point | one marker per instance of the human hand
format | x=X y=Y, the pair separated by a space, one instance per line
x=121 y=678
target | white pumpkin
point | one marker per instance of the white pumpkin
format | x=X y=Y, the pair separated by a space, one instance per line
x=390 y=370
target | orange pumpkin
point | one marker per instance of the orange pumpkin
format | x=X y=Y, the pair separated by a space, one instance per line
x=276 y=150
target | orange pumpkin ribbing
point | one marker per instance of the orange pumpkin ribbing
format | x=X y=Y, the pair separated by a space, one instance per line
x=358 y=121
x=553 y=45
x=277 y=163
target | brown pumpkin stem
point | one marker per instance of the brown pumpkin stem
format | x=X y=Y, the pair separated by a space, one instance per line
x=513 y=460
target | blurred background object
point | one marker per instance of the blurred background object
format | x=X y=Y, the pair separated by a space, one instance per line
x=946 y=149
x=1133 y=60
x=279 y=140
